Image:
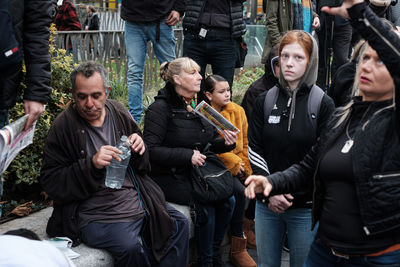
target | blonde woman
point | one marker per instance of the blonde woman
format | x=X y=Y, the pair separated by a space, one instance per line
x=175 y=136
x=355 y=165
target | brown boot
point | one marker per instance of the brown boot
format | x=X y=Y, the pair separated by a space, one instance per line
x=238 y=254
x=248 y=229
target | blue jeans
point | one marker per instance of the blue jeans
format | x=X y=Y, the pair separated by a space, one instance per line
x=321 y=255
x=270 y=231
x=123 y=241
x=221 y=54
x=211 y=224
x=136 y=37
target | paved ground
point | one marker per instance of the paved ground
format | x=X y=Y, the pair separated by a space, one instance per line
x=253 y=254
x=93 y=257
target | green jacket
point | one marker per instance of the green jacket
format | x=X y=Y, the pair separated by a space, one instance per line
x=279 y=20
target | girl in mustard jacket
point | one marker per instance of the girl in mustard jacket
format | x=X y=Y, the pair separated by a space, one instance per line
x=236 y=161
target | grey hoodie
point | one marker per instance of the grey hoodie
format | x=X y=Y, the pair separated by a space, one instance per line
x=309 y=78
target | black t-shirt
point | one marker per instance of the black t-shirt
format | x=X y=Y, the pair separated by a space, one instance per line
x=340 y=224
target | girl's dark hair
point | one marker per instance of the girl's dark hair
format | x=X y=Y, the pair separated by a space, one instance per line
x=210 y=81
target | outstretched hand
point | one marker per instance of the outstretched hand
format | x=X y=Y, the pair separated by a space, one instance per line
x=341 y=10
x=257 y=184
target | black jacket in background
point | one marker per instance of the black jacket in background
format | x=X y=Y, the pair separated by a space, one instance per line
x=31 y=20
x=342 y=83
x=266 y=82
x=150 y=10
x=170 y=133
x=195 y=10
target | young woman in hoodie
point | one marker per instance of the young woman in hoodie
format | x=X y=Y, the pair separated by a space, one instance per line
x=281 y=138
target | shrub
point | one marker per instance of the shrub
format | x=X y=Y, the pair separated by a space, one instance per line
x=25 y=168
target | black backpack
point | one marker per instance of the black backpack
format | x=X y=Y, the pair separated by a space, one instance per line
x=313 y=103
x=10 y=50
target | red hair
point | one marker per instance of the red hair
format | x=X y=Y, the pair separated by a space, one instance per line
x=302 y=37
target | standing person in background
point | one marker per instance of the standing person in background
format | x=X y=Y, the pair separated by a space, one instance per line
x=148 y=20
x=267 y=81
x=286 y=15
x=236 y=161
x=282 y=137
x=212 y=30
x=92 y=22
x=25 y=36
x=355 y=164
x=67 y=19
x=340 y=45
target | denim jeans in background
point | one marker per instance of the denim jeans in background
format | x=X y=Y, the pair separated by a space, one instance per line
x=136 y=37
x=270 y=231
x=220 y=53
x=321 y=255
x=211 y=224
x=3 y=122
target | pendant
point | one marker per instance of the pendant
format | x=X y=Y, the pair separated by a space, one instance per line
x=347 y=146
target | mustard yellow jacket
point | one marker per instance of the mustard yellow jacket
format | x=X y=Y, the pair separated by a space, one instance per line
x=233 y=159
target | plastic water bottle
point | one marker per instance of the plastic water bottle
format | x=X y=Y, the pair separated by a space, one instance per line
x=116 y=171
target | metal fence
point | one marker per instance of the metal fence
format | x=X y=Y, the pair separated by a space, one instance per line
x=108 y=48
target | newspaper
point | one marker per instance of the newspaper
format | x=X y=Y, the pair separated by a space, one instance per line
x=64 y=244
x=214 y=117
x=13 y=139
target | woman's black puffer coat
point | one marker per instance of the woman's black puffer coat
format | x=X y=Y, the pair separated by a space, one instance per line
x=171 y=133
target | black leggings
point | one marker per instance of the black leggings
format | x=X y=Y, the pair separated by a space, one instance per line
x=238 y=212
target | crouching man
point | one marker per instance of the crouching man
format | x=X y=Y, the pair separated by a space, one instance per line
x=133 y=223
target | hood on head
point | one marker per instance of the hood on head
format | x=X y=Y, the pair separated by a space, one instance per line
x=310 y=75
x=268 y=65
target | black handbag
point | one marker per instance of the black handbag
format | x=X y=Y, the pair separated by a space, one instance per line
x=211 y=182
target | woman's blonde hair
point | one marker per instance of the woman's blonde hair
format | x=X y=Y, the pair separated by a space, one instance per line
x=344 y=111
x=176 y=66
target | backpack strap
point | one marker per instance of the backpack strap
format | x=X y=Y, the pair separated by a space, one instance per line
x=314 y=104
x=270 y=100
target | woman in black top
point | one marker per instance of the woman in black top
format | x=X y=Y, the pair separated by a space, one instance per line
x=175 y=136
x=92 y=22
x=356 y=162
